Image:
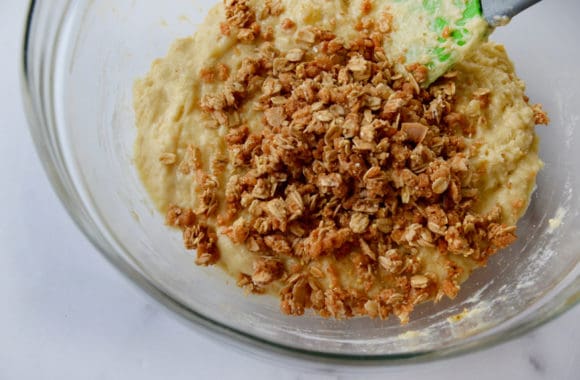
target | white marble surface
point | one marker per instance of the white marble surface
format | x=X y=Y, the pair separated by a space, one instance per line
x=67 y=314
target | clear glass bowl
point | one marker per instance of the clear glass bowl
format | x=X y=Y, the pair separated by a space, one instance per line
x=80 y=59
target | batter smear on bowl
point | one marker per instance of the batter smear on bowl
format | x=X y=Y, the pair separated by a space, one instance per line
x=291 y=149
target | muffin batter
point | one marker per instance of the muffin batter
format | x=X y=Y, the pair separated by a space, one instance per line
x=211 y=114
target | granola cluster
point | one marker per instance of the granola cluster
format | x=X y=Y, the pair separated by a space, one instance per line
x=353 y=167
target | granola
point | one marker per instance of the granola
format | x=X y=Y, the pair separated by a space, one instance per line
x=345 y=186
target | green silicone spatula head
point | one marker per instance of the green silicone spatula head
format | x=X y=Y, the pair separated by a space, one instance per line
x=438 y=33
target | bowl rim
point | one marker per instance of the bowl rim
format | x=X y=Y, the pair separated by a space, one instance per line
x=58 y=176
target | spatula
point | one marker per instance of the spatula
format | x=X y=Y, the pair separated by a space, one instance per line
x=438 y=33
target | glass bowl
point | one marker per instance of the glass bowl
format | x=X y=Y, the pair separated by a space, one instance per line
x=80 y=60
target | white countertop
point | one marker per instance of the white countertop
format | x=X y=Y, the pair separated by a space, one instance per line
x=67 y=314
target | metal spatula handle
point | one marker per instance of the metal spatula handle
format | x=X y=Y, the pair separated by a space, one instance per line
x=496 y=11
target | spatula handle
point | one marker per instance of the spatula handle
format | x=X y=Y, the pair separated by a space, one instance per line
x=496 y=11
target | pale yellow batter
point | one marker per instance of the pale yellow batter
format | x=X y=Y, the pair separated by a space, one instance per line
x=169 y=118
